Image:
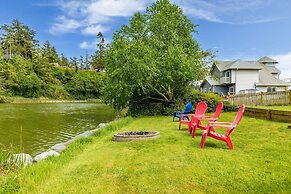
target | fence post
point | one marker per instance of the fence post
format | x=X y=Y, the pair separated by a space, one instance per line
x=290 y=97
x=261 y=98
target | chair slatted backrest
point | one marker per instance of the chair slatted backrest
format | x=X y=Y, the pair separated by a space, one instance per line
x=237 y=119
x=218 y=110
x=239 y=115
x=201 y=108
x=188 y=107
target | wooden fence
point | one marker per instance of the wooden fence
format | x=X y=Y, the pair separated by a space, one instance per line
x=268 y=114
x=262 y=98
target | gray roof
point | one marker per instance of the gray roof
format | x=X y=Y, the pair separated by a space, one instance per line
x=267 y=79
x=212 y=81
x=266 y=59
x=238 y=64
x=273 y=69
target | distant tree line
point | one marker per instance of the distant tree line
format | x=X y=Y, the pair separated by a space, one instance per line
x=30 y=70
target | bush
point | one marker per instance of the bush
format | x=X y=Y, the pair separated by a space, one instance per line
x=150 y=108
x=211 y=100
x=3 y=99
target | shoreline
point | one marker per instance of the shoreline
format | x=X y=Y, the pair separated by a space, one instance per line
x=20 y=100
x=24 y=159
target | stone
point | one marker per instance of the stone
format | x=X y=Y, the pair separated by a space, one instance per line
x=22 y=159
x=68 y=142
x=94 y=130
x=101 y=125
x=85 y=134
x=58 y=147
x=44 y=155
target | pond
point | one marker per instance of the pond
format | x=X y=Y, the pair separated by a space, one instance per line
x=36 y=127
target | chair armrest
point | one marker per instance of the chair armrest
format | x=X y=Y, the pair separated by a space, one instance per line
x=196 y=115
x=184 y=115
x=202 y=117
x=221 y=124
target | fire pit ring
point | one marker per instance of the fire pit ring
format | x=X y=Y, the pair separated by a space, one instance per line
x=136 y=135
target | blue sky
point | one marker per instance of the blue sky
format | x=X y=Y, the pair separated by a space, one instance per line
x=236 y=29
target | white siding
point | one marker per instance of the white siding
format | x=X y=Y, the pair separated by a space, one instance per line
x=264 y=88
x=244 y=79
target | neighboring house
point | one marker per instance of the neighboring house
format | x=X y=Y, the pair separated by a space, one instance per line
x=239 y=76
x=288 y=80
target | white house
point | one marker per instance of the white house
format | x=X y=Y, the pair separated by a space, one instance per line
x=288 y=80
x=239 y=76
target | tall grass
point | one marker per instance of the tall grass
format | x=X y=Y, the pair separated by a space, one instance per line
x=7 y=164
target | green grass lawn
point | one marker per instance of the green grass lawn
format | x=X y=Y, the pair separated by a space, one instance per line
x=285 y=108
x=173 y=163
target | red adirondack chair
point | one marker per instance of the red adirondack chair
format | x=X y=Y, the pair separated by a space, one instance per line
x=229 y=126
x=200 y=110
x=198 y=124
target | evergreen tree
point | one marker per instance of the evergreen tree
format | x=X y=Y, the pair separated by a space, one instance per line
x=74 y=63
x=18 y=39
x=87 y=61
x=81 y=62
x=64 y=61
x=49 y=53
x=97 y=61
x=1 y=74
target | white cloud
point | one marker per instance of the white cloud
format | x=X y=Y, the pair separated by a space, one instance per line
x=65 y=25
x=227 y=11
x=88 y=45
x=115 y=7
x=201 y=14
x=284 y=64
x=94 y=29
x=91 y=16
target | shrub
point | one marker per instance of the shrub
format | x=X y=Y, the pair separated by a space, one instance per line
x=150 y=108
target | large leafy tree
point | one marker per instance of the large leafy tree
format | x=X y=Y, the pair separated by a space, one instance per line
x=18 y=39
x=154 y=58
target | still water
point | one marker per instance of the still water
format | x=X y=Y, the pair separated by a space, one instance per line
x=44 y=125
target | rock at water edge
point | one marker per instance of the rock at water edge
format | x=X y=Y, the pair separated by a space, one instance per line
x=22 y=159
x=44 y=155
x=58 y=147
x=85 y=134
x=68 y=142
x=101 y=125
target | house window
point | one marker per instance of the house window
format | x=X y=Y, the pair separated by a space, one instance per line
x=231 y=90
x=209 y=89
x=271 y=89
x=227 y=74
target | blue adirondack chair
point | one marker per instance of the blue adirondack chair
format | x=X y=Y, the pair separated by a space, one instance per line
x=187 y=110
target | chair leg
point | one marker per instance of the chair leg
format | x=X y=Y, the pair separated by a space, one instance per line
x=179 y=126
x=194 y=131
x=189 y=128
x=203 y=139
x=229 y=143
